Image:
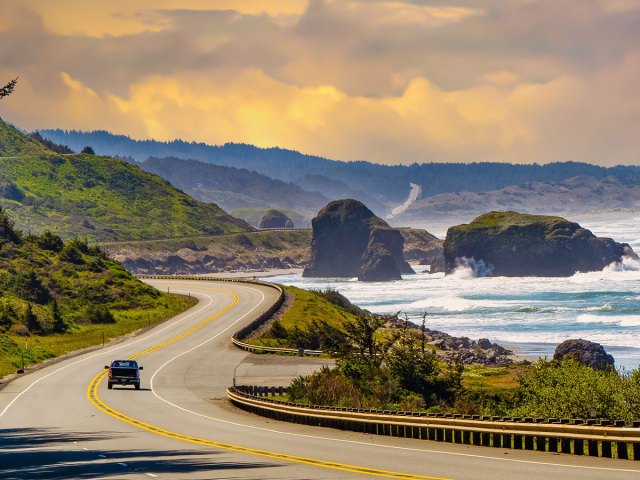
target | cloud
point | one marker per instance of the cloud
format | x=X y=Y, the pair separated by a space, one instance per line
x=388 y=81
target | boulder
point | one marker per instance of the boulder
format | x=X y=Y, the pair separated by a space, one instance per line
x=515 y=244
x=350 y=241
x=275 y=219
x=588 y=353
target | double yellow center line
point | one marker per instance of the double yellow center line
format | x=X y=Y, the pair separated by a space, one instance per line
x=94 y=398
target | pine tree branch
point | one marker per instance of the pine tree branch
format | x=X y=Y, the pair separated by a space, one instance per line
x=8 y=88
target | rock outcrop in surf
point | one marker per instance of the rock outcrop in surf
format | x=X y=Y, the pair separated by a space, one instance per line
x=514 y=244
x=350 y=241
x=588 y=353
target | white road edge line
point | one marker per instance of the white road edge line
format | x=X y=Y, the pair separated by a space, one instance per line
x=101 y=352
x=439 y=452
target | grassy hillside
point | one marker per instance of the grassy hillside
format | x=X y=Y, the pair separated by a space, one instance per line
x=58 y=296
x=13 y=142
x=97 y=197
x=304 y=317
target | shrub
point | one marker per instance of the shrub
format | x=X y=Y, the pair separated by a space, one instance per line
x=568 y=389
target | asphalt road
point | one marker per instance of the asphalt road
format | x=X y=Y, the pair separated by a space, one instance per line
x=62 y=422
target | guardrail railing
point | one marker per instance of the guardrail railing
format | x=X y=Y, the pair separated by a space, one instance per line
x=246 y=331
x=578 y=437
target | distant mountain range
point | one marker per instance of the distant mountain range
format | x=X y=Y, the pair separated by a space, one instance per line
x=233 y=188
x=96 y=197
x=447 y=189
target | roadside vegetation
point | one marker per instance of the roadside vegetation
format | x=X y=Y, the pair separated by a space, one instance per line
x=56 y=297
x=383 y=362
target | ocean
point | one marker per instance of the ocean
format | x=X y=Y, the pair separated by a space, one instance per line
x=532 y=314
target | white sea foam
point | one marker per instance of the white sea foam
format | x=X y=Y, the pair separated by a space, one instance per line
x=590 y=318
x=472 y=268
x=627 y=264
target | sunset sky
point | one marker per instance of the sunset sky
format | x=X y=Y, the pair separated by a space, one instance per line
x=385 y=81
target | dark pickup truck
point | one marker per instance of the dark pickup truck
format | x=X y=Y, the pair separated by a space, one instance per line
x=124 y=372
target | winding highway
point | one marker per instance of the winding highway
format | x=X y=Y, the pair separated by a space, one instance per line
x=62 y=422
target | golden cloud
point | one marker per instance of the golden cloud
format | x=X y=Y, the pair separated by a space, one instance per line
x=423 y=123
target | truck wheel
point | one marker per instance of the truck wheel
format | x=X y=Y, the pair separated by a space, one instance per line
x=137 y=385
x=109 y=385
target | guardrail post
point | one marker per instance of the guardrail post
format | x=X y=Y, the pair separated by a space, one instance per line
x=622 y=450
x=606 y=449
x=518 y=442
x=592 y=448
x=565 y=445
x=582 y=447
x=527 y=442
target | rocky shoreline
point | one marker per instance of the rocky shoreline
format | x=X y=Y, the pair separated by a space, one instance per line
x=464 y=350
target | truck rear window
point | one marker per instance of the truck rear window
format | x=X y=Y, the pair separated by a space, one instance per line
x=124 y=364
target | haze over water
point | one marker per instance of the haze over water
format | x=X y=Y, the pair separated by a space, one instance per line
x=532 y=313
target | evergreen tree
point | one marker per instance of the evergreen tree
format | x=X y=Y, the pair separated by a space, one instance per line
x=58 y=323
x=31 y=321
x=7 y=230
x=49 y=241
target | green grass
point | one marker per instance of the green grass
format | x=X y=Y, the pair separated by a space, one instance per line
x=491 y=378
x=307 y=307
x=37 y=348
x=97 y=197
x=266 y=241
x=500 y=221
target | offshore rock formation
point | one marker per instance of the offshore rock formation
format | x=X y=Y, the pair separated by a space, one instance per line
x=588 y=353
x=514 y=244
x=275 y=219
x=350 y=241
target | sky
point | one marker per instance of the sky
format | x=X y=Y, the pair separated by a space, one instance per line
x=393 y=82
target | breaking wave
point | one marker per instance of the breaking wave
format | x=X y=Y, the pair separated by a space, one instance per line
x=627 y=264
x=472 y=268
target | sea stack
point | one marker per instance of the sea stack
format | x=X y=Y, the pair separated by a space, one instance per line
x=275 y=219
x=514 y=244
x=350 y=241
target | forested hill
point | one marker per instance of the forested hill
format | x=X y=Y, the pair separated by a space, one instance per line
x=233 y=188
x=96 y=197
x=385 y=183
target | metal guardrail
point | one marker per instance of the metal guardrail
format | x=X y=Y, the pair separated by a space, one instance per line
x=577 y=437
x=244 y=332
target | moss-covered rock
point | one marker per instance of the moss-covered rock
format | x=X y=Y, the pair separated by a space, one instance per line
x=350 y=241
x=515 y=244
